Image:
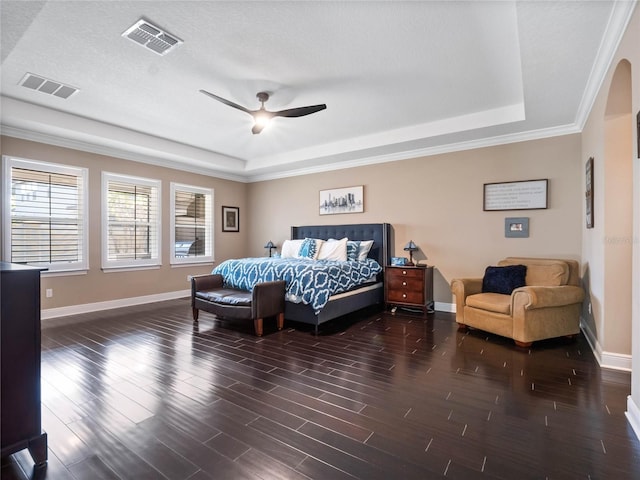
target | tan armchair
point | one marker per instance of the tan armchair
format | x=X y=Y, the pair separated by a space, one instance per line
x=547 y=306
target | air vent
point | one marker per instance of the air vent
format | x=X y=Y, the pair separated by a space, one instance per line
x=44 y=85
x=151 y=37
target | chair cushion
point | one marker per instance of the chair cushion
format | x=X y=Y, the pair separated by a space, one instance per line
x=493 y=302
x=542 y=272
x=504 y=279
x=227 y=296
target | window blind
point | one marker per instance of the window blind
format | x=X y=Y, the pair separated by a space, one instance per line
x=47 y=218
x=133 y=213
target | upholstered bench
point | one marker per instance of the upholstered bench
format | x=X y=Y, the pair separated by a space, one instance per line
x=208 y=293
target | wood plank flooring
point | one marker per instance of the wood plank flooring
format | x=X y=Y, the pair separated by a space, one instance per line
x=139 y=393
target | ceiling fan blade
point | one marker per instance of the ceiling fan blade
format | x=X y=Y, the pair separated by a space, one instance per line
x=227 y=102
x=300 y=111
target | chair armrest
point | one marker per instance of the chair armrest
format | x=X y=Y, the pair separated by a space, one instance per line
x=532 y=297
x=200 y=283
x=268 y=298
x=462 y=288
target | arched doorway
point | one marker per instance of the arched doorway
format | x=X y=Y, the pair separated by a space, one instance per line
x=618 y=213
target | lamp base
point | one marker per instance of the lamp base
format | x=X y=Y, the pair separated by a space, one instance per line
x=409 y=264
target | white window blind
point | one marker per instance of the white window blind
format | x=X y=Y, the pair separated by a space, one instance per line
x=191 y=224
x=45 y=224
x=131 y=221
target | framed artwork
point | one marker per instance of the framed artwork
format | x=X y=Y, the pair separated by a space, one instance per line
x=342 y=200
x=516 y=227
x=230 y=219
x=519 y=195
x=638 y=131
x=588 y=193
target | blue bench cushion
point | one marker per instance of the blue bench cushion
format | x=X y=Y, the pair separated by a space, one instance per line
x=227 y=296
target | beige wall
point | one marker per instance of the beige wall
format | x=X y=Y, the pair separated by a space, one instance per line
x=437 y=202
x=610 y=137
x=97 y=286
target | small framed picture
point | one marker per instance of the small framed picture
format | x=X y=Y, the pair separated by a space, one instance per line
x=230 y=219
x=516 y=227
x=588 y=192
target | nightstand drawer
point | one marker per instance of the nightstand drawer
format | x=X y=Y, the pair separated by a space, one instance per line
x=405 y=283
x=405 y=296
x=401 y=272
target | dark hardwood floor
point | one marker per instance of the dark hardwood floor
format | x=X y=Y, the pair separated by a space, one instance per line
x=138 y=393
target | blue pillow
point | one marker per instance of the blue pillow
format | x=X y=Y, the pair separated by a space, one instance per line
x=309 y=248
x=352 y=250
x=504 y=279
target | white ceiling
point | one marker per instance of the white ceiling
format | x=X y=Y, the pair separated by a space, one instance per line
x=400 y=79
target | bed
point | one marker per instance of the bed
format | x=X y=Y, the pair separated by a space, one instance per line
x=319 y=291
x=342 y=304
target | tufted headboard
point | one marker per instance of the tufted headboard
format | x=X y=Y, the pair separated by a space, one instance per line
x=380 y=233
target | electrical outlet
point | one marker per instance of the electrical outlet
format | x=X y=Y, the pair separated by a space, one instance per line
x=589 y=308
x=49 y=292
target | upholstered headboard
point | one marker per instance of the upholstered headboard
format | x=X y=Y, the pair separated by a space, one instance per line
x=380 y=233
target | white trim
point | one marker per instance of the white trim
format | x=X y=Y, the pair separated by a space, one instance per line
x=8 y=163
x=611 y=360
x=614 y=31
x=633 y=415
x=444 y=307
x=156 y=249
x=52 y=313
x=209 y=224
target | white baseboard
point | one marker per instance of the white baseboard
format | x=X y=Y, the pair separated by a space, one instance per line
x=614 y=361
x=444 y=307
x=52 y=313
x=633 y=415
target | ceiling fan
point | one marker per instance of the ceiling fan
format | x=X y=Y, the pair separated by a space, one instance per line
x=261 y=116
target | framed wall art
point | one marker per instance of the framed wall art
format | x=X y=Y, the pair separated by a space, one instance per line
x=516 y=227
x=588 y=192
x=519 y=195
x=638 y=131
x=342 y=200
x=230 y=219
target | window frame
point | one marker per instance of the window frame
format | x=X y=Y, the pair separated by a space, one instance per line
x=155 y=261
x=210 y=222
x=9 y=162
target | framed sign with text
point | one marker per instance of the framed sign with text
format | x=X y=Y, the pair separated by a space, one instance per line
x=520 y=195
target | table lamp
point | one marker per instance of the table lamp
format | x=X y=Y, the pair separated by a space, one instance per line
x=410 y=247
x=270 y=245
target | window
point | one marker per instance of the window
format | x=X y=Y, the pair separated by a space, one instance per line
x=45 y=223
x=130 y=221
x=191 y=224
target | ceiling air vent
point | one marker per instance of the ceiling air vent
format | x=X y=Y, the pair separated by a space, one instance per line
x=151 y=37
x=44 y=85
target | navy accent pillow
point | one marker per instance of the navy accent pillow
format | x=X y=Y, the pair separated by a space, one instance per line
x=504 y=279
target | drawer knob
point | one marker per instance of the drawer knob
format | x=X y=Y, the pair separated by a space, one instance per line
x=404 y=295
x=404 y=284
x=404 y=272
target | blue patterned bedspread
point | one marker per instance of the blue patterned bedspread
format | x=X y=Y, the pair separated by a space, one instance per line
x=308 y=281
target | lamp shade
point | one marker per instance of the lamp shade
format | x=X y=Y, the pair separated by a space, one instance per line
x=269 y=245
x=410 y=247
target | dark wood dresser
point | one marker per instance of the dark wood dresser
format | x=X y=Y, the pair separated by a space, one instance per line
x=20 y=408
x=410 y=287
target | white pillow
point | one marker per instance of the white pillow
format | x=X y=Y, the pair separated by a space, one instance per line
x=334 y=250
x=363 y=251
x=290 y=248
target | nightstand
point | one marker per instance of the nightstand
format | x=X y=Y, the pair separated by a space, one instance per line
x=410 y=287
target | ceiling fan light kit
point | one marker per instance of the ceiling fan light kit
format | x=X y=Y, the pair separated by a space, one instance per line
x=262 y=116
